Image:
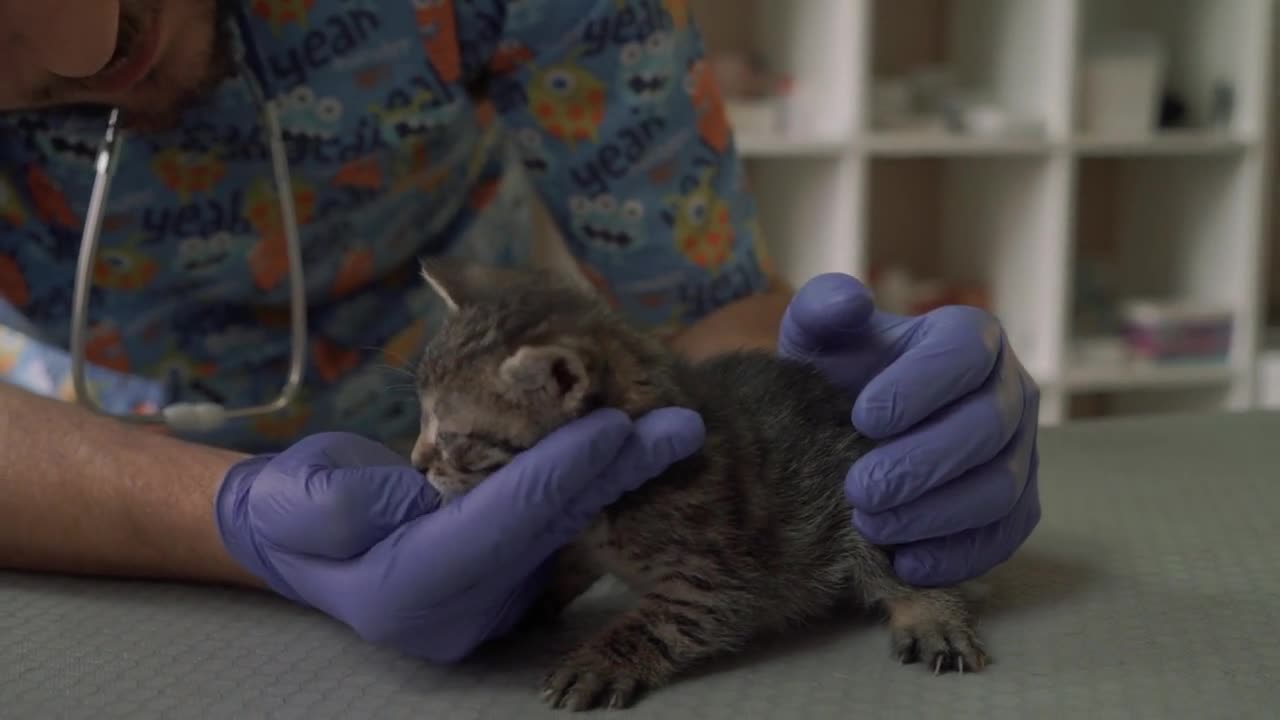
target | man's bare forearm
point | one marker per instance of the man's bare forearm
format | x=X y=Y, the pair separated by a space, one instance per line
x=87 y=495
x=750 y=323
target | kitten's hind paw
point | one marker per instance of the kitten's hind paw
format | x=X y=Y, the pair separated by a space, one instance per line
x=933 y=630
x=941 y=648
x=581 y=686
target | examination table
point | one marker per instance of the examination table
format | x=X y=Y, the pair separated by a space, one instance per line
x=1151 y=589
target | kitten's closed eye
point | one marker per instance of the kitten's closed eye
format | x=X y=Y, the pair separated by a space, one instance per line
x=475 y=453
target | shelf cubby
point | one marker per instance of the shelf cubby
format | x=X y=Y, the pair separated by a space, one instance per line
x=1026 y=213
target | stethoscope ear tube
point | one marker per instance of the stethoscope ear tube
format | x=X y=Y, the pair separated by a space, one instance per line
x=193 y=416
x=104 y=171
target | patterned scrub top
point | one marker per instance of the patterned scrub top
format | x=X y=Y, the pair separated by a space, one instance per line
x=413 y=128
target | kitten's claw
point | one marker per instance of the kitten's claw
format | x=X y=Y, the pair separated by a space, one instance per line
x=944 y=646
x=573 y=687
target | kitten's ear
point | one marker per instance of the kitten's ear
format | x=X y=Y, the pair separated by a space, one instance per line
x=552 y=369
x=461 y=282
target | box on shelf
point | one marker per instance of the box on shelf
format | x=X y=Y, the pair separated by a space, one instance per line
x=1165 y=332
x=1122 y=82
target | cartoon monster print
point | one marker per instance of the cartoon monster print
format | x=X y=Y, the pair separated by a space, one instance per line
x=269 y=259
x=712 y=120
x=51 y=203
x=533 y=154
x=509 y=55
x=105 y=347
x=418 y=115
x=69 y=147
x=606 y=224
x=439 y=33
x=567 y=102
x=11 y=210
x=648 y=72
x=524 y=15
x=187 y=173
x=679 y=11
x=124 y=268
x=11 y=346
x=282 y=12
x=13 y=283
x=703 y=229
x=364 y=173
x=760 y=247
x=302 y=113
x=209 y=256
x=354 y=271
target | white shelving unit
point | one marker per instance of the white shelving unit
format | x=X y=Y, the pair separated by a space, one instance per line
x=1021 y=214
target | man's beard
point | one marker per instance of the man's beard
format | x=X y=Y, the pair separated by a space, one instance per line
x=165 y=95
x=182 y=93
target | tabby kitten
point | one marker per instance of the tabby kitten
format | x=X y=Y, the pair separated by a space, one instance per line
x=749 y=535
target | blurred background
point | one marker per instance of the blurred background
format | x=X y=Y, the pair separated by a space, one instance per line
x=1098 y=173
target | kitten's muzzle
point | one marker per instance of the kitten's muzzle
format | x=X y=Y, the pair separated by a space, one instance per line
x=450 y=485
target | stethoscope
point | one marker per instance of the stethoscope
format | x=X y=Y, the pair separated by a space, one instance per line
x=191 y=416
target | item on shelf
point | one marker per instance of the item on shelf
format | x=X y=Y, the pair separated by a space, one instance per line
x=927 y=100
x=751 y=117
x=1122 y=83
x=755 y=100
x=1173 y=111
x=892 y=104
x=991 y=120
x=1168 y=332
x=1100 y=351
x=1222 y=105
x=898 y=291
x=1096 y=312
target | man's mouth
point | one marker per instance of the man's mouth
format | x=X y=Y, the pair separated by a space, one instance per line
x=136 y=49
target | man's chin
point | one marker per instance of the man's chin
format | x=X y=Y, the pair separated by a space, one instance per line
x=160 y=106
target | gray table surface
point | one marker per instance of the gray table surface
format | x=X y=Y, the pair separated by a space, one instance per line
x=1151 y=589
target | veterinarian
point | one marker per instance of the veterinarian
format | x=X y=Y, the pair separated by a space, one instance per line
x=408 y=129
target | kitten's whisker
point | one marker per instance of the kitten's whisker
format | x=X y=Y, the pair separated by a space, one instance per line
x=396 y=370
x=394 y=357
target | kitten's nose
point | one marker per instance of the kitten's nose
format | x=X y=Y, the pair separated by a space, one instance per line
x=420 y=456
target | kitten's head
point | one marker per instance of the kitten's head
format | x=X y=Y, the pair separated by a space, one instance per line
x=520 y=353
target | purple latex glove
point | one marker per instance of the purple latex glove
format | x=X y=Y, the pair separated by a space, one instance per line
x=953 y=485
x=345 y=525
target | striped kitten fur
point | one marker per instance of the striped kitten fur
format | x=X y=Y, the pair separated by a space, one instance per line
x=750 y=535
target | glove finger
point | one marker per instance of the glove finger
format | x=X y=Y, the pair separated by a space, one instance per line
x=472 y=537
x=338 y=449
x=540 y=507
x=955 y=348
x=658 y=440
x=964 y=556
x=830 y=312
x=952 y=442
x=493 y=531
x=336 y=512
x=973 y=499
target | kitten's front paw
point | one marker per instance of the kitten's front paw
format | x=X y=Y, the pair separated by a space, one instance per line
x=586 y=682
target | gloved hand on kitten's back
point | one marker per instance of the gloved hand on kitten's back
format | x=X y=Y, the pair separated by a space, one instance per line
x=344 y=525
x=953 y=484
